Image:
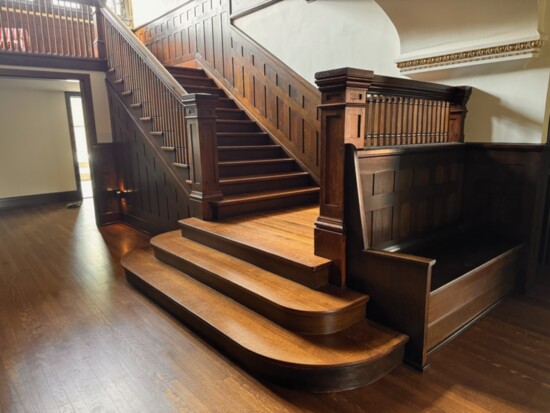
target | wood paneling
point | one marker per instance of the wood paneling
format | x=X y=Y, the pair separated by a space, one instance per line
x=151 y=197
x=283 y=102
x=505 y=190
x=105 y=181
x=407 y=194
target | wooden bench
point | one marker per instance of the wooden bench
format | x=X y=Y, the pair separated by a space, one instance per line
x=429 y=271
x=435 y=230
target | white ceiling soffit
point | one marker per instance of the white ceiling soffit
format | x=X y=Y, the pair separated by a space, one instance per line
x=440 y=34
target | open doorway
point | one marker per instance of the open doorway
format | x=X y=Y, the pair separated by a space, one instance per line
x=77 y=127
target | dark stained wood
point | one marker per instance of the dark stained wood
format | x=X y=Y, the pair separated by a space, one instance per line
x=153 y=197
x=105 y=183
x=400 y=286
x=75 y=336
x=505 y=190
x=200 y=118
x=289 y=304
x=408 y=193
x=424 y=201
x=348 y=359
x=39 y=199
x=344 y=94
x=280 y=242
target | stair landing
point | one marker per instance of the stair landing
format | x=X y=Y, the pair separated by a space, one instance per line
x=280 y=241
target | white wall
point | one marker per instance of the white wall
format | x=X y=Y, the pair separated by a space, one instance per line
x=35 y=147
x=327 y=34
x=146 y=10
x=99 y=98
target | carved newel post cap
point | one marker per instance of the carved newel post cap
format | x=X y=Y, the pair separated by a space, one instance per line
x=205 y=98
x=343 y=78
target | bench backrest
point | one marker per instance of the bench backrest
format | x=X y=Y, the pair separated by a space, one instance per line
x=409 y=192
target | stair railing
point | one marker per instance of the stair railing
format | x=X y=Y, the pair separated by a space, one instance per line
x=361 y=109
x=150 y=86
x=48 y=27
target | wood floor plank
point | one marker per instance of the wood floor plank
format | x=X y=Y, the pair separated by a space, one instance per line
x=88 y=315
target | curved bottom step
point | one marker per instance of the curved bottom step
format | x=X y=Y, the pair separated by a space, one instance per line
x=348 y=359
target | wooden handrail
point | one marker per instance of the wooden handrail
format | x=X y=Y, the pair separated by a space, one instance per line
x=148 y=58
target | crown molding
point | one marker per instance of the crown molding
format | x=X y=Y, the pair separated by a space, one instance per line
x=520 y=50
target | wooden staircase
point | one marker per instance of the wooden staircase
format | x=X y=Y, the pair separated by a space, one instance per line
x=255 y=173
x=253 y=287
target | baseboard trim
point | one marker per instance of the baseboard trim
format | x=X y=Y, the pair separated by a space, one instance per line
x=40 y=199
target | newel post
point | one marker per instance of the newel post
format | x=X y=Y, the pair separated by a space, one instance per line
x=342 y=113
x=458 y=112
x=200 y=120
x=99 y=33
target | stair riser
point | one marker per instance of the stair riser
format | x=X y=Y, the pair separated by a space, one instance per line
x=188 y=72
x=232 y=115
x=193 y=89
x=226 y=103
x=195 y=81
x=249 y=154
x=243 y=140
x=251 y=187
x=228 y=211
x=254 y=169
x=275 y=264
x=300 y=322
x=236 y=127
x=327 y=379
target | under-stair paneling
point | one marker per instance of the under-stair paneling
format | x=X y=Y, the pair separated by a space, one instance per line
x=151 y=199
x=282 y=101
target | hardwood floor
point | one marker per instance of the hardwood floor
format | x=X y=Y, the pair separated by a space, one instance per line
x=74 y=336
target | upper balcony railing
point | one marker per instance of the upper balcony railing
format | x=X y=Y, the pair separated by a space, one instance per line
x=49 y=27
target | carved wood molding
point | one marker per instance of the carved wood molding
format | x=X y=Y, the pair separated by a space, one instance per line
x=514 y=50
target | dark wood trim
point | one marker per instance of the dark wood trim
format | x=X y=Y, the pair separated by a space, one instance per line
x=68 y=96
x=54 y=62
x=39 y=199
x=252 y=8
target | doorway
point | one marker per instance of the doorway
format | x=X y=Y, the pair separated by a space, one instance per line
x=77 y=129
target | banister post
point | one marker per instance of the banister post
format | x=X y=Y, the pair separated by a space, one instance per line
x=200 y=119
x=99 y=33
x=342 y=113
x=458 y=112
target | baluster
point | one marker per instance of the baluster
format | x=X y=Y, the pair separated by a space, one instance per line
x=369 y=121
x=445 y=122
x=90 y=30
x=8 y=41
x=394 y=115
x=27 y=31
x=399 y=125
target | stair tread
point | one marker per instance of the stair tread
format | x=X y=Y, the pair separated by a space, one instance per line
x=287 y=235
x=271 y=287
x=260 y=178
x=361 y=343
x=255 y=161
